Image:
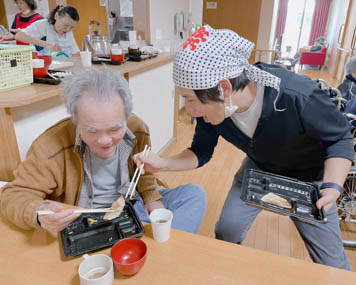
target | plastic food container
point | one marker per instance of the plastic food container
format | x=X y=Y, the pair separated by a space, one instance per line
x=90 y=232
x=116 y=54
x=47 y=59
x=300 y=196
x=39 y=68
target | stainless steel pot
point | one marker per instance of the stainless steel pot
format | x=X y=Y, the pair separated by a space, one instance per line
x=96 y=42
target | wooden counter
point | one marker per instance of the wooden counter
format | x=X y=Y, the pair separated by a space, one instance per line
x=9 y=152
x=37 y=92
x=35 y=257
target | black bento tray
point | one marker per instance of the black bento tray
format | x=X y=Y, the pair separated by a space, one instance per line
x=80 y=237
x=107 y=60
x=301 y=195
x=48 y=79
x=140 y=57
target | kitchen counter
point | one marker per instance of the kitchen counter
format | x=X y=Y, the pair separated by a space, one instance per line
x=150 y=83
x=37 y=92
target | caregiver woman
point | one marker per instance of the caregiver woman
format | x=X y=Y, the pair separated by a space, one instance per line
x=54 y=33
x=26 y=16
x=283 y=122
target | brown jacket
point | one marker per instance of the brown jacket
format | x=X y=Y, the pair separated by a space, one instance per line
x=53 y=170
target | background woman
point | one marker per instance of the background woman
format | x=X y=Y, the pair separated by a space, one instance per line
x=23 y=19
x=54 y=33
x=348 y=86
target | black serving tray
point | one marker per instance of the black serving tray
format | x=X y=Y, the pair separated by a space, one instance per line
x=301 y=195
x=107 y=60
x=80 y=236
x=140 y=57
x=48 y=79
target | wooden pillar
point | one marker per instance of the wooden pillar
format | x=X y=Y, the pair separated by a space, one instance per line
x=9 y=152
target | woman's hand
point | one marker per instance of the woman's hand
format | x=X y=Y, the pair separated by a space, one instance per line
x=58 y=221
x=7 y=37
x=328 y=198
x=52 y=47
x=15 y=30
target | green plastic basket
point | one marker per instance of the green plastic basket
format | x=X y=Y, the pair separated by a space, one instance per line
x=15 y=66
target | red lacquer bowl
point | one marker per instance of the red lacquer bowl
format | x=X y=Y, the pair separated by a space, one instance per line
x=129 y=255
x=40 y=72
x=47 y=59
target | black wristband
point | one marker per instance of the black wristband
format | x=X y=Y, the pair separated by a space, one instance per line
x=332 y=185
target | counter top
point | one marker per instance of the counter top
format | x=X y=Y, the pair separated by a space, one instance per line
x=37 y=91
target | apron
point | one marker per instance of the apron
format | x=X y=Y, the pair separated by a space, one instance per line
x=22 y=25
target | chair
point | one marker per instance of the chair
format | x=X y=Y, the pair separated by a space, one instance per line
x=264 y=55
x=313 y=58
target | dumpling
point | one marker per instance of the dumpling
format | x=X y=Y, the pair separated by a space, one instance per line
x=276 y=200
x=117 y=206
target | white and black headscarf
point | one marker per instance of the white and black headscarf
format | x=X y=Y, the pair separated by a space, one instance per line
x=210 y=55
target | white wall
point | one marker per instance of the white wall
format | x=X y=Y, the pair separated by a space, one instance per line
x=337 y=16
x=196 y=8
x=264 y=27
x=11 y=9
x=162 y=22
x=153 y=100
x=32 y=120
x=153 y=97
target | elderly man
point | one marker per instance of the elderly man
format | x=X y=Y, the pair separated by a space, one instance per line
x=86 y=160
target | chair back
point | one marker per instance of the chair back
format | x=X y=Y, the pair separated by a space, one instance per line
x=264 y=55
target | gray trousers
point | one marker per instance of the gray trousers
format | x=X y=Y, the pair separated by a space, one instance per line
x=323 y=241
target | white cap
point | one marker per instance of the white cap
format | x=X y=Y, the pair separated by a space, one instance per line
x=210 y=55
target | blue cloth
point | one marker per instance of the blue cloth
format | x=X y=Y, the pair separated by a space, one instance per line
x=187 y=202
x=38 y=48
x=294 y=142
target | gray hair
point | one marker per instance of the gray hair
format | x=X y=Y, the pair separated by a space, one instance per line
x=102 y=84
x=321 y=41
x=351 y=65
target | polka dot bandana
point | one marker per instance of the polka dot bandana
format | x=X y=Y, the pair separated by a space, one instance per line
x=210 y=55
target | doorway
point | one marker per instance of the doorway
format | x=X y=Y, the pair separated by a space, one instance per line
x=243 y=17
x=298 y=26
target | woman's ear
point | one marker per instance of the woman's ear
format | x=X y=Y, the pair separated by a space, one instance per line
x=225 y=87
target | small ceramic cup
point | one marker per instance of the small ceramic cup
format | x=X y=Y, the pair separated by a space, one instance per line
x=96 y=270
x=116 y=54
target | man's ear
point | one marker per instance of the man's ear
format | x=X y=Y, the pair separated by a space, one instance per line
x=225 y=87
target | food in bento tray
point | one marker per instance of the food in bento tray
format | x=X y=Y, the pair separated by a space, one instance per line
x=117 y=206
x=274 y=199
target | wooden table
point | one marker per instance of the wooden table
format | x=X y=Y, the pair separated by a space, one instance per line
x=35 y=257
x=34 y=93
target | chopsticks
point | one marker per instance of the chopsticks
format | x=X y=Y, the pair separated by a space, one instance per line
x=102 y=210
x=138 y=171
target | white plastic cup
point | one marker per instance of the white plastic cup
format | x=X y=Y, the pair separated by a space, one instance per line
x=161 y=223
x=85 y=56
x=116 y=51
x=132 y=37
x=96 y=270
x=37 y=63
